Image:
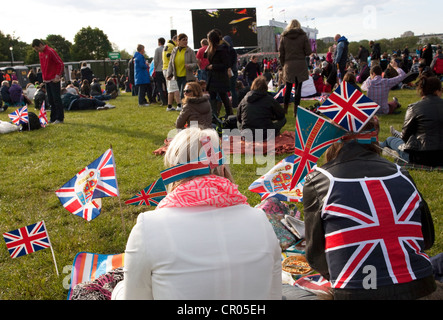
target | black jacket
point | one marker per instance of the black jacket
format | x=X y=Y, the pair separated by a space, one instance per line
x=218 y=79
x=257 y=110
x=423 y=131
x=356 y=162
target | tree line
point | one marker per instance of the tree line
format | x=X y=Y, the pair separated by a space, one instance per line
x=89 y=44
x=387 y=45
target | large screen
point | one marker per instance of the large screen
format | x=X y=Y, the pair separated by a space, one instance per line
x=240 y=24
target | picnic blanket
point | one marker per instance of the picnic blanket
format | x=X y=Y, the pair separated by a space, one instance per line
x=88 y=267
x=284 y=143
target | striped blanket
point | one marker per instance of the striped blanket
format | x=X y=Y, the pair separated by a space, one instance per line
x=89 y=266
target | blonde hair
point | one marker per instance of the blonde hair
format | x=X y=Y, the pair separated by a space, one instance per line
x=186 y=147
x=294 y=24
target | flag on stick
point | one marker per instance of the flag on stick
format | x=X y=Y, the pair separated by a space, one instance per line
x=81 y=194
x=27 y=240
x=42 y=115
x=149 y=196
x=313 y=135
x=20 y=116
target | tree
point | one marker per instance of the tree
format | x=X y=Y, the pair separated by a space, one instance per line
x=90 y=44
x=61 y=45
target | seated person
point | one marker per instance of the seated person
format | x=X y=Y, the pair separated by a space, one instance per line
x=196 y=108
x=378 y=88
x=351 y=79
x=260 y=112
x=30 y=91
x=421 y=138
x=111 y=88
x=318 y=80
x=203 y=241
x=6 y=97
x=97 y=92
x=40 y=97
x=364 y=73
x=437 y=63
x=85 y=88
x=365 y=219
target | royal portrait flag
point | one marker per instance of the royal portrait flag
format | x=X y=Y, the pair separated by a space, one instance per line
x=81 y=195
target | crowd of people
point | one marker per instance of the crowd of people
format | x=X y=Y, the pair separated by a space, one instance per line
x=204 y=241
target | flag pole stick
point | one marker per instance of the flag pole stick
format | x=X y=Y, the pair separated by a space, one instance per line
x=52 y=250
x=119 y=200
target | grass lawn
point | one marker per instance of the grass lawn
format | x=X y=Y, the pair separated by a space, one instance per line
x=35 y=164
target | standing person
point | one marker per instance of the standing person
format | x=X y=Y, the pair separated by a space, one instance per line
x=341 y=55
x=252 y=70
x=160 y=81
x=202 y=60
x=367 y=226
x=428 y=55
x=203 y=241
x=131 y=77
x=52 y=69
x=171 y=84
x=218 y=78
x=141 y=76
x=182 y=64
x=294 y=48
x=86 y=73
x=234 y=69
x=375 y=54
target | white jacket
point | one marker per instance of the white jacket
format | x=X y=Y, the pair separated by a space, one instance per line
x=202 y=253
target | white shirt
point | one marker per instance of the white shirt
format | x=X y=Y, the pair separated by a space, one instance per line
x=202 y=253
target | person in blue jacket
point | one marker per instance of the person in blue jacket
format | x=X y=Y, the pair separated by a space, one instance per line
x=341 y=54
x=141 y=77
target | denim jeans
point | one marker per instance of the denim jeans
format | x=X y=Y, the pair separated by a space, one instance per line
x=394 y=143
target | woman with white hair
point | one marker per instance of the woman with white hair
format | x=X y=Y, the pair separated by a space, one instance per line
x=294 y=48
x=203 y=241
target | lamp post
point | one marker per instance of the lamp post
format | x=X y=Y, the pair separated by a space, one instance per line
x=12 y=55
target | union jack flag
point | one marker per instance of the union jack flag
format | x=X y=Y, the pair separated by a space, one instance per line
x=149 y=196
x=374 y=222
x=42 y=115
x=27 y=239
x=20 y=116
x=81 y=194
x=349 y=108
x=313 y=135
x=314 y=283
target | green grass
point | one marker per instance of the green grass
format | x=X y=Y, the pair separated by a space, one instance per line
x=35 y=164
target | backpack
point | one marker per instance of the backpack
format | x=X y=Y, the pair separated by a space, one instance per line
x=34 y=122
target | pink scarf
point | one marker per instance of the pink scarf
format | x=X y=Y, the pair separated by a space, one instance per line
x=209 y=190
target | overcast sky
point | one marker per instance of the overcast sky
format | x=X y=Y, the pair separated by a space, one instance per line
x=129 y=22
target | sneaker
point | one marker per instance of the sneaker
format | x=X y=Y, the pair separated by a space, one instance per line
x=394 y=132
x=396 y=101
x=144 y=105
x=178 y=109
x=58 y=121
x=109 y=106
x=170 y=109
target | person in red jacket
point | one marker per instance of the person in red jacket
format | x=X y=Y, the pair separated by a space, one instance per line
x=52 y=68
x=437 y=63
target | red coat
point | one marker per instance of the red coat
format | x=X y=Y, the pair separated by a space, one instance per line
x=50 y=63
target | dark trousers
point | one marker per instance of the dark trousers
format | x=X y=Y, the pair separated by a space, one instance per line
x=224 y=98
x=144 y=90
x=54 y=98
x=297 y=97
x=87 y=104
x=160 y=84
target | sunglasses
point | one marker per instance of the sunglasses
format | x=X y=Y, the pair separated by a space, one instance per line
x=187 y=91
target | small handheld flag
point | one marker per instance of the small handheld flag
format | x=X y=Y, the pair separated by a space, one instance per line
x=349 y=108
x=19 y=116
x=42 y=115
x=81 y=194
x=150 y=196
x=27 y=240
